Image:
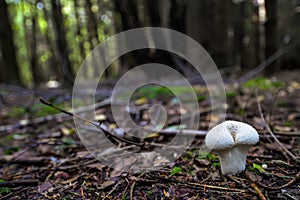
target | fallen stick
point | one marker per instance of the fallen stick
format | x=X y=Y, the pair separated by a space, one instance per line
x=186 y=183
x=98 y=126
x=258 y=191
x=271 y=132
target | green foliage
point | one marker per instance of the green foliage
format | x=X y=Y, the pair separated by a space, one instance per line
x=210 y=157
x=201 y=98
x=207 y=156
x=4 y=190
x=188 y=154
x=258 y=167
x=216 y=164
x=10 y=150
x=282 y=104
x=149 y=193
x=40 y=110
x=67 y=197
x=231 y=94
x=288 y=123
x=124 y=197
x=263 y=84
x=175 y=170
x=16 y=136
x=241 y=112
x=190 y=169
x=20 y=11
x=16 y=111
x=152 y=92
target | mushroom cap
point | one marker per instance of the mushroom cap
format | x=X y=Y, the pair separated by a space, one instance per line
x=229 y=134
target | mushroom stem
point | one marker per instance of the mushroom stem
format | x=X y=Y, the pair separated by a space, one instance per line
x=233 y=160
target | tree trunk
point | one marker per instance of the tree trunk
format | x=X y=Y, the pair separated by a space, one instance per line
x=35 y=68
x=55 y=69
x=78 y=28
x=221 y=40
x=271 y=37
x=9 y=69
x=239 y=34
x=92 y=24
x=153 y=12
x=128 y=12
x=178 y=15
x=257 y=45
x=61 y=40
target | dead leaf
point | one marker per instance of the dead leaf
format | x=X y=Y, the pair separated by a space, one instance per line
x=45 y=186
x=98 y=166
x=66 y=130
x=83 y=154
x=107 y=184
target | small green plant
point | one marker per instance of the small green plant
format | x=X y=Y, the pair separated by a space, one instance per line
x=67 y=198
x=149 y=193
x=16 y=111
x=282 y=104
x=10 y=150
x=210 y=157
x=189 y=154
x=175 y=170
x=4 y=190
x=201 y=98
x=202 y=155
x=288 y=123
x=40 y=110
x=190 y=169
x=258 y=167
x=230 y=94
x=124 y=197
x=207 y=156
x=263 y=84
x=216 y=164
x=241 y=112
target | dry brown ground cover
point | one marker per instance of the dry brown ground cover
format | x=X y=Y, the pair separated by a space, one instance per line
x=43 y=158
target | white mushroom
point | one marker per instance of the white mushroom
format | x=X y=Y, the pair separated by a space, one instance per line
x=231 y=141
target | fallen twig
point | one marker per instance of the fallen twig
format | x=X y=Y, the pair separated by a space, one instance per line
x=271 y=132
x=184 y=132
x=258 y=191
x=186 y=183
x=131 y=190
x=100 y=127
x=76 y=165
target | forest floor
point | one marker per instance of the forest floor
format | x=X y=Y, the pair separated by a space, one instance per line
x=42 y=157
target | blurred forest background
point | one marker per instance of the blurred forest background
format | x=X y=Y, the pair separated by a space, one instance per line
x=44 y=40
